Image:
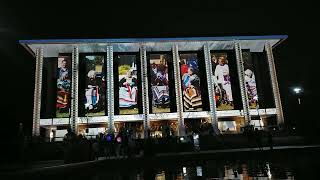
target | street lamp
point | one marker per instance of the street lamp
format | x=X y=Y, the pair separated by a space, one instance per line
x=298 y=91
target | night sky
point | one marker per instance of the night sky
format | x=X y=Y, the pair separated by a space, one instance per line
x=297 y=61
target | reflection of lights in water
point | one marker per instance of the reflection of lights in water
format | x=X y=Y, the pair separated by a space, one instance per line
x=179 y=177
x=268 y=171
x=160 y=176
x=51 y=135
x=199 y=170
x=184 y=170
x=138 y=176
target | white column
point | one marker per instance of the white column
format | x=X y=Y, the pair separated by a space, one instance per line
x=37 y=93
x=110 y=89
x=145 y=89
x=211 y=92
x=74 y=90
x=243 y=87
x=274 y=83
x=179 y=95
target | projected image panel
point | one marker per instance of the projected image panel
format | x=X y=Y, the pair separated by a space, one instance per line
x=222 y=81
x=128 y=84
x=63 y=86
x=190 y=82
x=250 y=80
x=95 y=85
x=159 y=83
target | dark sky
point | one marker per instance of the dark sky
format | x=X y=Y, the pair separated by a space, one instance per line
x=297 y=62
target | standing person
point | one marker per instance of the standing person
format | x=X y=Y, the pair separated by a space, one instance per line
x=69 y=141
x=118 y=140
x=270 y=140
x=109 y=145
x=124 y=143
x=95 y=149
x=258 y=137
x=131 y=146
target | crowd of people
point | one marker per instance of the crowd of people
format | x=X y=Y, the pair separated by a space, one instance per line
x=79 y=148
x=255 y=137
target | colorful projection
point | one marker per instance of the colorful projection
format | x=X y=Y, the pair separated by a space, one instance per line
x=95 y=86
x=250 y=80
x=159 y=83
x=222 y=81
x=63 y=86
x=128 y=87
x=190 y=82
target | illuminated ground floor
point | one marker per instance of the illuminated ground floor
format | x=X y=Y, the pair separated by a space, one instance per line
x=160 y=128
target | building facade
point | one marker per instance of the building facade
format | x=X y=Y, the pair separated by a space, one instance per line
x=155 y=86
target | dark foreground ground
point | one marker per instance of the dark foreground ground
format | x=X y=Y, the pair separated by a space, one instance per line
x=285 y=162
x=291 y=158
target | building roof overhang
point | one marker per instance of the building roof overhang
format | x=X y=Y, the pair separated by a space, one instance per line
x=52 y=47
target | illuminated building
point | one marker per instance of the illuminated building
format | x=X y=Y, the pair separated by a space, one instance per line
x=167 y=85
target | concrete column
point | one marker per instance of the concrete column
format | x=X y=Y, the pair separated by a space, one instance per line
x=110 y=89
x=274 y=83
x=179 y=95
x=145 y=89
x=211 y=92
x=243 y=87
x=37 y=93
x=74 y=90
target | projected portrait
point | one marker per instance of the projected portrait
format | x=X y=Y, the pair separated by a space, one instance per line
x=250 y=80
x=128 y=84
x=63 y=86
x=94 y=85
x=222 y=81
x=159 y=83
x=190 y=82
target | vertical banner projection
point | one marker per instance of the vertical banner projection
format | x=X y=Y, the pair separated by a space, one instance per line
x=128 y=85
x=222 y=81
x=63 y=86
x=190 y=82
x=250 y=80
x=159 y=83
x=95 y=85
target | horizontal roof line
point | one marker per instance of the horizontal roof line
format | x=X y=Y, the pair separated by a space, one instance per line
x=137 y=40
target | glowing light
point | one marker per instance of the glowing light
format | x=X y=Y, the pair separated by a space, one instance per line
x=199 y=171
x=268 y=171
x=184 y=170
x=297 y=90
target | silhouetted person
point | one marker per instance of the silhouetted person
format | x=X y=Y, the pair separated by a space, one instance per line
x=95 y=149
x=83 y=149
x=125 y=143
x=148 y=147
x=248 y=131
x=118 y=141
x=131 y=146
x=69 y=141
x=258 y=137
x=109 y=145
x=149 y=133
x=270 y=140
